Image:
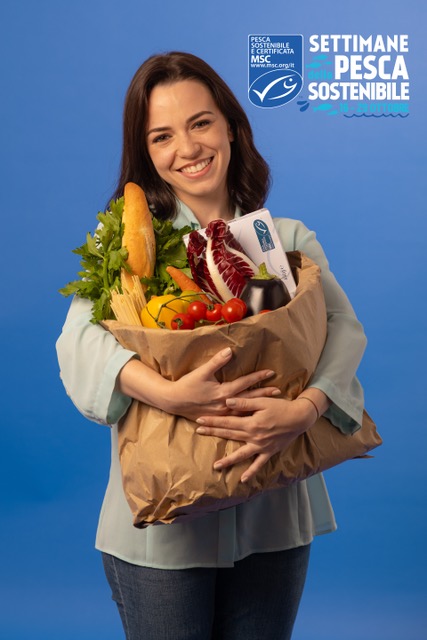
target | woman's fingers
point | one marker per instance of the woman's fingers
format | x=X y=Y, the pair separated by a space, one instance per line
x=234 y=422
x=222 y=432
x=220 y=359
x=256 y=466
x=233 y=425
x=244 y=382
x=247 y=403
x=215 y=363
x=228 y=426
x=245 y=452
x=260 y=392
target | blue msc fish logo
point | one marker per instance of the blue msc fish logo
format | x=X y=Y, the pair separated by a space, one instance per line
x=275 y=88
x=263 y=234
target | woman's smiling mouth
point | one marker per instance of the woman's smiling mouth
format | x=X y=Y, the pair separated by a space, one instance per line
x=196 y=168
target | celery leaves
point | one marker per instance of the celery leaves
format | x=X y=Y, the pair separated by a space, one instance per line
x=102 y=259
x=170 y=251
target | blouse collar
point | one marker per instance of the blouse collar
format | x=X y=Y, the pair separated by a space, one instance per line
x=186 y=217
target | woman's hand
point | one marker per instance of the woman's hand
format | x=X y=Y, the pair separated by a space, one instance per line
x=199 y=391
x=265 y=426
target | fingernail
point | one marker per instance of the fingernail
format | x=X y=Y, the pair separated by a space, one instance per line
x=270 y=373
x=231 y=402
x=217 y=466
x=226 y=352
x=200 y=421
x=200 y=430
x=276 y=392
x=244 y=479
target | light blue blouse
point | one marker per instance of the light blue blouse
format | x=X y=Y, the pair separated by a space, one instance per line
x=90 y=360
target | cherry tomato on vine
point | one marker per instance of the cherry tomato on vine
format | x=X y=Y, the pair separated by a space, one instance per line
x=240 y=302
x=182 y=321
x=213 y=312
x=197 y=310
x=232 y=311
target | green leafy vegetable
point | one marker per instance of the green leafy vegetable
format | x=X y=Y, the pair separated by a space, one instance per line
x=103 y=258
x=170 y=250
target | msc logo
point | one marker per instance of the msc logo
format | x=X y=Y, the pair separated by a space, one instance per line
x=263 y=234
x=275 y=88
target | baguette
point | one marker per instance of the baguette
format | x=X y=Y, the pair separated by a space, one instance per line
x=138 y=236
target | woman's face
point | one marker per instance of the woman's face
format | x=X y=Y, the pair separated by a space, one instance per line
x=188 y=140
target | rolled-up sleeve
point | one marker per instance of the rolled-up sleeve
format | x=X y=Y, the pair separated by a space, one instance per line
x=335 y=373
x=90 y=359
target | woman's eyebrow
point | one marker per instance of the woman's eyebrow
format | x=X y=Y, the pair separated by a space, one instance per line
x=188 y=121
x=197 y=115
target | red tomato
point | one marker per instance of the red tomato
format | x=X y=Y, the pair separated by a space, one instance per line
x=213 y=312
x=232 y=311
x=197 y=310
x=265 y=311
x=182 y=321
x=241 y=302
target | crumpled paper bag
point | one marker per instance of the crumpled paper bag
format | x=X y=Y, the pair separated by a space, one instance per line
x=167 y=468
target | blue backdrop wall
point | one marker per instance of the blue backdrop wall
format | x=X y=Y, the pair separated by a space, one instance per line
x=359 y=182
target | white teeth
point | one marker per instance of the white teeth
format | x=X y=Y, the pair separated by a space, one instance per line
x=194 y=168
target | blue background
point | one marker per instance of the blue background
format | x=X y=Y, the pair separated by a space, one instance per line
x=358 y=182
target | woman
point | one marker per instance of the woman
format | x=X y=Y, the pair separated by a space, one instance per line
x=238 y=573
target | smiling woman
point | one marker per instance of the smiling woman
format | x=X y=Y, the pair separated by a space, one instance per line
x=239 y=573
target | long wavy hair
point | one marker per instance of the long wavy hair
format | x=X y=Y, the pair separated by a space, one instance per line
x=248 y=177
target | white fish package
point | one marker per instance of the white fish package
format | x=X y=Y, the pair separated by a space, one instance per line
x=258 y=236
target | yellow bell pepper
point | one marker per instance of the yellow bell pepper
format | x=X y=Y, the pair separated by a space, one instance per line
x=160 y=310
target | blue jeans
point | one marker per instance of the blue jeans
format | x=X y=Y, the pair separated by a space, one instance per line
x=257 y=599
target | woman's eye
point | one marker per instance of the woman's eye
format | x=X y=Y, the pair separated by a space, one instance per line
x=201 y=123
x=161 y=138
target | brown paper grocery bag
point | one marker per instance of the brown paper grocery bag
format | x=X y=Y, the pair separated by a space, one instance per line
x=167 y=468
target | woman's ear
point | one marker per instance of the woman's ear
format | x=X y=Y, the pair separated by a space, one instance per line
x=230 y=133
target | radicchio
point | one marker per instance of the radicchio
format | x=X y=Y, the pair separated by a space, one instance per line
x=218 y=264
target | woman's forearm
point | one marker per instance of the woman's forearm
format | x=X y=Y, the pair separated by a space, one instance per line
x=90 y=359
x=139 y=382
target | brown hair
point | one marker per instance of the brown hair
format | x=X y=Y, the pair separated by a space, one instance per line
x=248 y=177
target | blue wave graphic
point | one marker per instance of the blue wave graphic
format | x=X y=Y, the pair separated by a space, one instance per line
x=373 y=115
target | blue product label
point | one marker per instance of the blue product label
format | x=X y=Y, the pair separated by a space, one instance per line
x=264 y=236
x=275 y=69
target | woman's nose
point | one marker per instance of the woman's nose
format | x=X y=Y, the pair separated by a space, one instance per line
x=188 y=147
